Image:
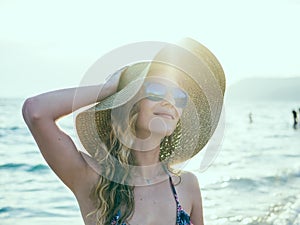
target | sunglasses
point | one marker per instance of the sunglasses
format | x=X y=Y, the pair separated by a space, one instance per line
x=158 y=92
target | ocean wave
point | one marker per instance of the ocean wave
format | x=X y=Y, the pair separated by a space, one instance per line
x=11 y=128
x=286 y=212
x=249 y=183
x=37 y=168
x=19 y=212
x=281 y=214
x=5 y=209
x=13 y=132
x=12 y=166
x=24 y=167
x=15 y=128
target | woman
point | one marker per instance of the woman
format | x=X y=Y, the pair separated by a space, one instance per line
x=148 y=117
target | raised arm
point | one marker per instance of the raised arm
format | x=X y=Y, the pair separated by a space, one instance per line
x=41 y=113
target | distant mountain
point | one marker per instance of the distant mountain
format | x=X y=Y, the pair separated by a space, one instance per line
x=265 y=89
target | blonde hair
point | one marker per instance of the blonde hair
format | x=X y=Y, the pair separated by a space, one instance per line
x=111 y=197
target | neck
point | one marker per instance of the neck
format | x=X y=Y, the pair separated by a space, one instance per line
x=146 y=149
x=149 y=175
x=146 y=157
x=149 y=169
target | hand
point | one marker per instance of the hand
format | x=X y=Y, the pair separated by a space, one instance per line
x=112 y=81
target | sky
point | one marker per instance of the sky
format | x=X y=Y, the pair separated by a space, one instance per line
x=48 y=45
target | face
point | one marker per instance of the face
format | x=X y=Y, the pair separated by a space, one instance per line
x=161 y=106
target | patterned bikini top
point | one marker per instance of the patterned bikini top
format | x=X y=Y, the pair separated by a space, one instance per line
x=182 y=217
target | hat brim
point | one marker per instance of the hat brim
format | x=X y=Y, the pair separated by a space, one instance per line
x=205 y=84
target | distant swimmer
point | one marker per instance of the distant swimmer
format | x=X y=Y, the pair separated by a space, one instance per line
x=295 y=118
x=298 y=116
x=250 y=118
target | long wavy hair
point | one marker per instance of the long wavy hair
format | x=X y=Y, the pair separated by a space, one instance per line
x=113 y=197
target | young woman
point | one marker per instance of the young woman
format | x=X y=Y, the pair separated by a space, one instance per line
x=149 y=116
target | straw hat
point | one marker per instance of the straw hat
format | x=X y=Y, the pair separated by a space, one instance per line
x=201 y=76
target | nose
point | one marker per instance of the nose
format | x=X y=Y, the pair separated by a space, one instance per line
x=169 y=99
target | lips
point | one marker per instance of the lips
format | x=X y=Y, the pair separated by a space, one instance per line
x=165 y=114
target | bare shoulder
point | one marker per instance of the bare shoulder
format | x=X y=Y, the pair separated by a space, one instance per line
x=187 y=186
x=189 y=180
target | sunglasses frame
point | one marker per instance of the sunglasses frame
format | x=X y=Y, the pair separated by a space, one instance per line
x=167 y=90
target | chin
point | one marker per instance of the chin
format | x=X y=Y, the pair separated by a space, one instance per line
x=169 y=131
x=161 y=128
x=163 y=132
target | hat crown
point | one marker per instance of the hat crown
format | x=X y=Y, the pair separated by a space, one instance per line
x=175 y=55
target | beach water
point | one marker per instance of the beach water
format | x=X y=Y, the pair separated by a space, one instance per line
x=255 y=178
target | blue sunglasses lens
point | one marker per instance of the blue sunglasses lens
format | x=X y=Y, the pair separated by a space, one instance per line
x=157 y=92
x=181 y=98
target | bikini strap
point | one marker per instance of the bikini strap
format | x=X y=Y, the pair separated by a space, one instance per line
x=172 y=187
x=174 y=191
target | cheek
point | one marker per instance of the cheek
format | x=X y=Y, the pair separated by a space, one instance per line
x=146 y=106
x=144 y=113
x=179 y=111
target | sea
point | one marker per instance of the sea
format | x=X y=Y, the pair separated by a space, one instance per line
x=253 y=179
